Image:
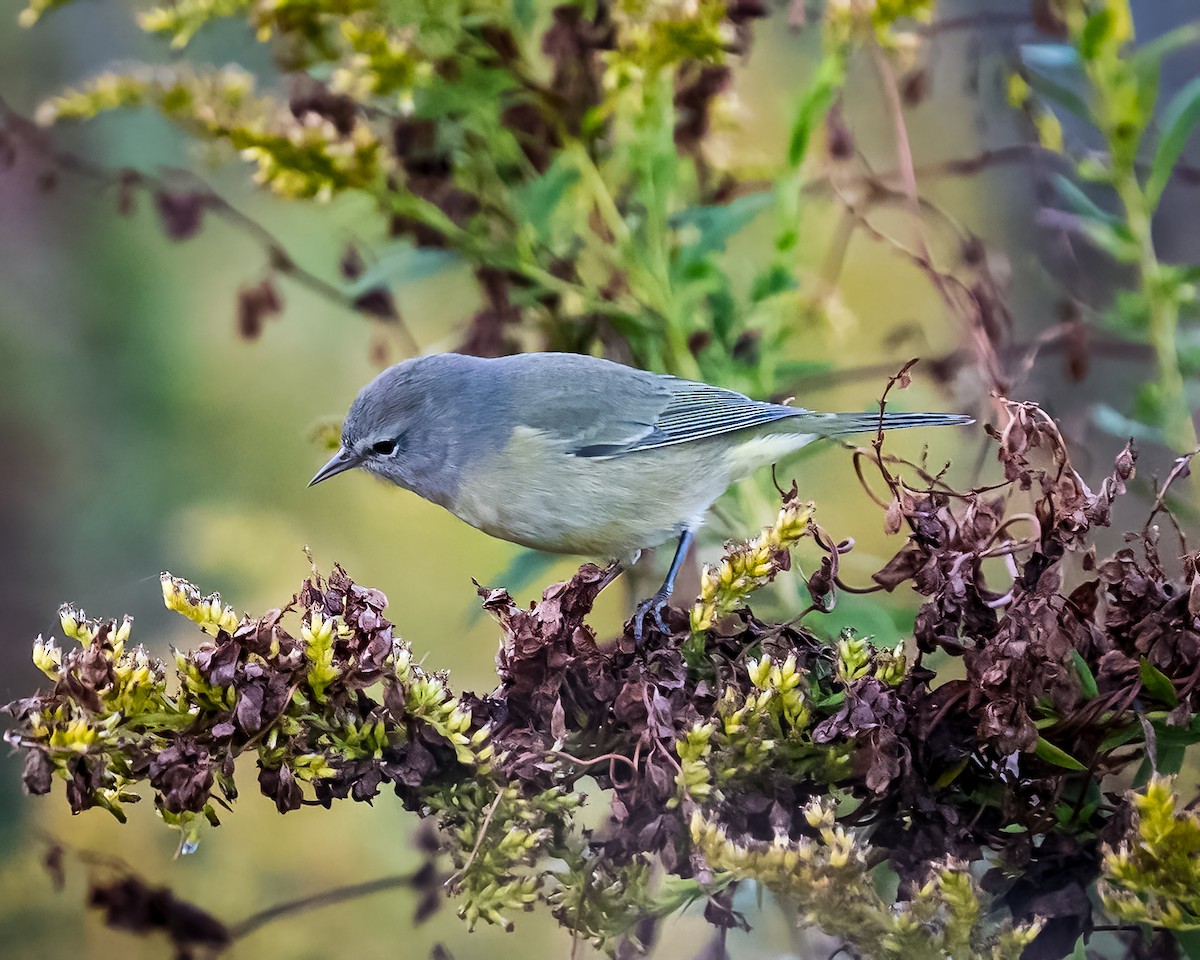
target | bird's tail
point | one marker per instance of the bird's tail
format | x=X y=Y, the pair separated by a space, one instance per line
x=837 y=424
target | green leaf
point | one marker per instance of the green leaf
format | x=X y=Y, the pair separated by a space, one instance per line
x=525 y=13
x=1087 y=680
x=1059 y=94
x=1116 y=240
x=1178 y=124
x=540 y=198
x=1170 y=759
x=1052 y=754
x=1189 y=943
x=776 y=279
x=718 y=223
x=723 y=308
x=1178 y=736
x=1049 y=56
x=1158 y=684
x=527 y=568
x=830 y=701
x=1100 y=31
x=886 y=882
x=1120 y=738
x=403 y=263
x=1079 y=202
x=812 y=107
x=1170 y=42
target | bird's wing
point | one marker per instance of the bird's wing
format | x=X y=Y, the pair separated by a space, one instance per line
x=602 y=409
x=693 y=411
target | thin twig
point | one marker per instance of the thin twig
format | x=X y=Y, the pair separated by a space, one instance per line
x=595 y=760
x=1179 y=469
x=278 y=257
x=483 y=829
x=317 y=900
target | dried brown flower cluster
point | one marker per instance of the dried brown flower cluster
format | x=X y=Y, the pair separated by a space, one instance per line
x=1080 y=668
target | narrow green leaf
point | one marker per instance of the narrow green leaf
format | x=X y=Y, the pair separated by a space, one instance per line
x=812 y=107
x=1052 y=754
x=1170 y=42
x=1087 y=679
x=1116 y=424
x=1113 y=238
x=1178 y=124
x=1120 y=738
x=1059 y=94
x=950 y=774
x=1158 y=684
x=1079 y=202
x=1049 y=56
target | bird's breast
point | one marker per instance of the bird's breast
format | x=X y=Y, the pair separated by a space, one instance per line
x=535 y=493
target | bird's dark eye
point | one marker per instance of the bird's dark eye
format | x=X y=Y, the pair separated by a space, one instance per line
x=385 y=448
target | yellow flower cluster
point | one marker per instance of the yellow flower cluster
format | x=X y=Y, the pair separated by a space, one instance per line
x=694 y=780
x=427 y=697
x=206 y=612
x=182 y=19
x=748 y=566
x=36 y=8
x=829 y=878
x=764 y=729
x=795 y=867
x=653 y=35
x=381 y=62
x=506 y=834
x=891 y=666
x=1154 y=876
x=297 y=157
x=847 y=20
x=318 y=634
x=81 y=629
x=853 y=657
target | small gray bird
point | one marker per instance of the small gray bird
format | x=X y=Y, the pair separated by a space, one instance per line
x=574 y=454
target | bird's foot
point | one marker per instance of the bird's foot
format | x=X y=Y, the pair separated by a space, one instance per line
x=652 y=607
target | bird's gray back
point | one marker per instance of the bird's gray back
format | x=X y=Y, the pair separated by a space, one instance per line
x=602 y=409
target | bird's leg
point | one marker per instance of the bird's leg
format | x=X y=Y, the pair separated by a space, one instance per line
x=654 y=605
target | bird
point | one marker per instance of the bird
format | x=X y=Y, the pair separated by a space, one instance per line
x=575 y=454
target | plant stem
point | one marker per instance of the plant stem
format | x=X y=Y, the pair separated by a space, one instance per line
x=1162 y=310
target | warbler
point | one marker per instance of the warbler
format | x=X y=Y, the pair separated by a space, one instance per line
x=575 y=454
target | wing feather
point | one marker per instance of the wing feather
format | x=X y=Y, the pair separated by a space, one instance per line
x=694 y=411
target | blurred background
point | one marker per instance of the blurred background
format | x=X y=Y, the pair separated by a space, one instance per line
x=141 y=434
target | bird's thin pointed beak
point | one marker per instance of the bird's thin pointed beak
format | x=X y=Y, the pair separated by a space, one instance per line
x=340 y=462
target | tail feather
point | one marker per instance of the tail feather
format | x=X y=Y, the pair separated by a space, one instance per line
x=837 y=424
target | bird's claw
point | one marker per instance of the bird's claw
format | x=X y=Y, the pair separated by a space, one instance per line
x=654 y=606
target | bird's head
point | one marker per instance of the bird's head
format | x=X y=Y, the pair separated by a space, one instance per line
x=380 y=428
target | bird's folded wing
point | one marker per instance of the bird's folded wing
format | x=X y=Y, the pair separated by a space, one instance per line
x=690 y=411
x=598 y=409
